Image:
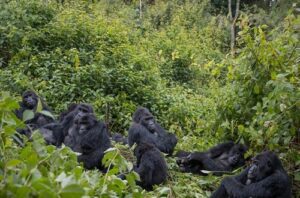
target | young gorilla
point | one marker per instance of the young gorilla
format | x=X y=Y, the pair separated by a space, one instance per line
x=151 y=166
x=221 y=158
x=55 y=133
x=264 y=178
x=145 y=129
x=30 y=102
x=119 y=138
x=90 y=138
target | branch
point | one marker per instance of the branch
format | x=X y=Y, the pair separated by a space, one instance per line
x=229 y=10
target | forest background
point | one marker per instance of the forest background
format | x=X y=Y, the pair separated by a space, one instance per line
x=175 y=58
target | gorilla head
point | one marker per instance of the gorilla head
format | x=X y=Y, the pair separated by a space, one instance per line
x=262 y=166
x=29 y=99
x=75 y=110
x=84 y=122
x=236 y=154
x=143 y=116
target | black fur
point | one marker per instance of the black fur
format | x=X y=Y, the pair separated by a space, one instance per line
x=30 y=101
x=221 y=158
x=265 y=178
x=145 y=129
x=55 y=133
x=90 y=138
x=151 y=166
x=119 y=138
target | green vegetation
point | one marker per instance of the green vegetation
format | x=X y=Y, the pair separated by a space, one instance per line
x=173 y=58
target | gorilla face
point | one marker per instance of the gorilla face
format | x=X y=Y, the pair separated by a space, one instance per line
x=30 y=99
x=84 y=123
x=83 y=109
x=149 y=123
x=260 y=168
x=236 y=154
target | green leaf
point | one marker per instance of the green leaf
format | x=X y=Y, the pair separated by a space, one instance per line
x=72 y=191
x=28 y=115
x=13 y=163
x=164 y=191
x=256 y=89
x=297 y=176
x=47 y=113
x=39 y=107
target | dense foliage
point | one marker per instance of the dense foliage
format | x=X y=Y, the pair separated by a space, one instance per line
x=171 y=57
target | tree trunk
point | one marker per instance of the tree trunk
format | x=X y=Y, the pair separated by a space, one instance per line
x=233 y=23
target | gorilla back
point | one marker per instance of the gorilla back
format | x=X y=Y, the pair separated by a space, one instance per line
x=151 y=165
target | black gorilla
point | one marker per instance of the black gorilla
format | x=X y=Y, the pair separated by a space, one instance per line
x=264 y=178
x=119 y=138
x=151 y=166
x=221 y=158
x=145 y=129
x=30 y=101
x=55 y=133
x=75 y=109
x=90 y=138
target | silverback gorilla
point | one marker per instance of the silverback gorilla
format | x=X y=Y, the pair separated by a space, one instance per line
x=145 y=129
x=265 y=178
x=30 y=101
x=151 y=166
x=221 y=158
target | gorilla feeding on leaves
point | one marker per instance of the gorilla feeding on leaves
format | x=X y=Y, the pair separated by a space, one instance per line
x=151 y=166
x=221 y=158
x=145 y=129
x=90 y=138
x=265 y=178
x=30 y=101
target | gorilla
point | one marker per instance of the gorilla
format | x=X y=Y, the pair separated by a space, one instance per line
x=90 y=138
x=222 y=158
x=264 y=178
x=30 y=101
x=119 y=138
x=145 y=129
x=150 y=165
x=55 y=133
x=75 y=109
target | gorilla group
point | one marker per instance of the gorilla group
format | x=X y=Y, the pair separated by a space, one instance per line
x=79 y=129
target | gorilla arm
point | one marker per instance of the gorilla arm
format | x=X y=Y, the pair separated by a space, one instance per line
x=138 y=133
x=220 y=149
